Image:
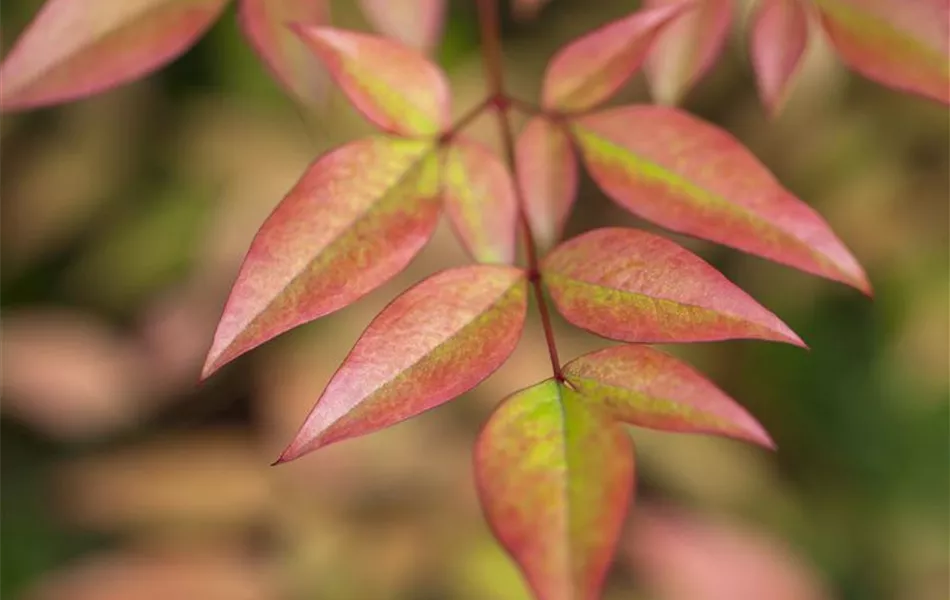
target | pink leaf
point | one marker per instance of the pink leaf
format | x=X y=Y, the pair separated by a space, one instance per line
x=592 y=68
x=648 y=388
x=634 y=286
x=416 y=23
x=779 y=38
x=902 y=44
x=266 y=24
x=394 y=86
x=689 y=176
x=555 y=477
x=687 y=48
x=356 y=218
x=684 y=557
x=436 y=341
x=480 y=201
x=76 y=49
x=547 y=174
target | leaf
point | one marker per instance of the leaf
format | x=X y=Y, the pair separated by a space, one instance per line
x=691 y=177
x=779 y=38
x=395 y=87
x=547 y=174
x=416 y=23
x=555 y=478
x=357 y=217
x=76 y=49
x=634 y=286
x=648 y=388
x=684 y=556
x=687 y=48
x=593 y=67
x=904 y=45
x=480 y=201
x=265 y=23
x=436 y=341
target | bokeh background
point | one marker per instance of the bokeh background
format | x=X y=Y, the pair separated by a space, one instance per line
x=124 y=220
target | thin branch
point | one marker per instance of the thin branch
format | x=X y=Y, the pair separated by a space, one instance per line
x=492 y=61
x=466 y=119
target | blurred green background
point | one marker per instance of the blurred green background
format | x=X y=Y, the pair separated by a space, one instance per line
x=125 y=217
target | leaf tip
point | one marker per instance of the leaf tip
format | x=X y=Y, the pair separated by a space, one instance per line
x=863 y=284
x=780 y=332
x=793 y=338
x=761 y=437
x=289 y=453
x=295 y=450
x=208 y=369
x=217 y=357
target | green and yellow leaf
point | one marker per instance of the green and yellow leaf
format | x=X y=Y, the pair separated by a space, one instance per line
x=555 y=478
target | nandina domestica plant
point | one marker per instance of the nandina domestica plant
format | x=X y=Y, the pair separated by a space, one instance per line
x=554 y=467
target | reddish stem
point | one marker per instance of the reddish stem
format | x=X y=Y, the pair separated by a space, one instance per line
x=466 y=119
x=491 y=59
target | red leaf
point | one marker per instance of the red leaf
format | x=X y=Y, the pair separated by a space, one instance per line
x=779 y=38
x=555 y=478
x=76 y=49
x=592 y=68
x=902 y=44
x=648 y=388
x=266 y=22
x=436 y=341
x=687 y=48
x=634 y=286
x=547 y=174
x=480 y=201
x=416 y=23
x=394 y=86
x=356 y=218
x=689 y=176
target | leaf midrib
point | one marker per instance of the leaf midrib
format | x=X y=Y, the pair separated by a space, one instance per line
x=668 y=176
x=568 y=496
x=600 y=286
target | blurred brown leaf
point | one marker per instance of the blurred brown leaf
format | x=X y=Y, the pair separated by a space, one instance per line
x=206 y=480
x=163 y=575
x=68 y=374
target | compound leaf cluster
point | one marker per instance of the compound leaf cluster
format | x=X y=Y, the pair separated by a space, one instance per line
x=553 y=464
